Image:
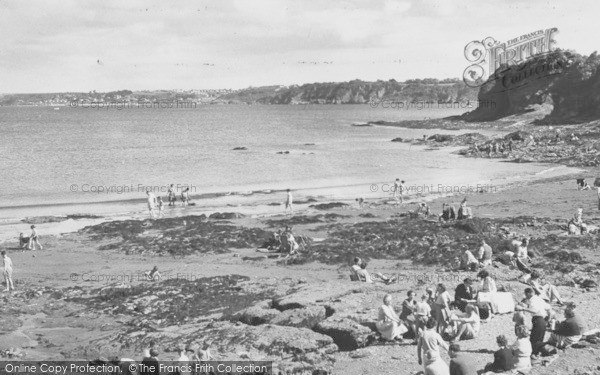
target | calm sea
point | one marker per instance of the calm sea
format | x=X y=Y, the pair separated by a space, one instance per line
x=75 y=160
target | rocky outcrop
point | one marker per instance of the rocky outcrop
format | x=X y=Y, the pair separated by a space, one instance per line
x=307 y=317
x=260 y=313
x=346 y=333
x=566 y=81
x=225 y=216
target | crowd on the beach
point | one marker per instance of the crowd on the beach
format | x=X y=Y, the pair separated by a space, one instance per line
x=440 y=321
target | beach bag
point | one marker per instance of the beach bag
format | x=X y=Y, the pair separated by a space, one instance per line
x=484 y=313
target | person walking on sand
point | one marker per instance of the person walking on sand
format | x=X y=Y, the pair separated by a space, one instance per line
x=289 y=202
x=34 y=239
x=8 y=269
x=151 y=203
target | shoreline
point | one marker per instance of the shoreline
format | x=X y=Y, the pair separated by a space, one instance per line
x=259 y=203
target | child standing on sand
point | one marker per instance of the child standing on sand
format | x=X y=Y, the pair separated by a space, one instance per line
x=34 y=239
x=8 y=268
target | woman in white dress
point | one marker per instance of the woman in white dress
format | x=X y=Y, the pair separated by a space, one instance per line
x=388 y=323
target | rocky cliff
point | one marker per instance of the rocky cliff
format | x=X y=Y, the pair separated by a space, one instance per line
x=357 y=92
x=566 y=81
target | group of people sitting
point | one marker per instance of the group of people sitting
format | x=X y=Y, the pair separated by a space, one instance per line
x=283 y=241
x=449 y=212
x=438 y=322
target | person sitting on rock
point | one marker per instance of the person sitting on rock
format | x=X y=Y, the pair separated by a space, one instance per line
x=470 y=263
x=153 y=275
x=448 y=212
x=365 y=276
x=547 y=291
x=485 y=254
x=522 y=256
x=569 y=331
x=388 y=322
x=576 y=224
x=468 y=325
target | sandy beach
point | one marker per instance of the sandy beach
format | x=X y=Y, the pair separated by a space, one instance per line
x=84 y=296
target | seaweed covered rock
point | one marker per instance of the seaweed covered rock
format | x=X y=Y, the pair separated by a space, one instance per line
x=225 y=216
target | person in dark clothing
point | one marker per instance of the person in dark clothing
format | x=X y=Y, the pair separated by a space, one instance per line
x=503 y=357
x=463 y=294
x=460 y=364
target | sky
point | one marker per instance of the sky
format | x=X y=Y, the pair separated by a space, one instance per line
x=74 y=45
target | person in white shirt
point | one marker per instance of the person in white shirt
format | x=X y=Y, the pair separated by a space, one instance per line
x=151 y=203
x=540 y=312
x=289 y=202
x=8 y=269
x=468 y=325
x=34 y=239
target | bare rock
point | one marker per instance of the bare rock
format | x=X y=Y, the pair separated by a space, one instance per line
x=346 y=333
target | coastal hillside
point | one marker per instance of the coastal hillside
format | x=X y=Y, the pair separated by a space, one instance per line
x=562 y=80
x=353 y=92
x=357 y=92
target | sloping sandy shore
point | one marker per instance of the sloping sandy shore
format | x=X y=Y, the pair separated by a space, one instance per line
x=84 y=296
